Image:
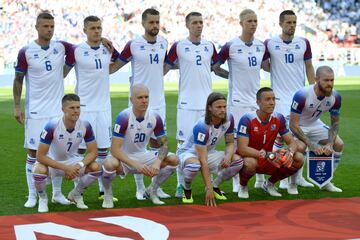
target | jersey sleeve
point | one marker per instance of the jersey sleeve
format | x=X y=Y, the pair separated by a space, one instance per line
x=89 y=134
x=121 y=124
x=308 y=53
x=21 y=62
x=115 y=55
x=224 y=53
x=215 y=56
x=47 y=133
x=69 y=53
x=267 y=53
x=201 y=134
x=230 y=130
x=159 y=127
x=244 y=126
x=126 y=54
x=335 y=110
x=298 y=102
x=282 y=129
x=172 y=57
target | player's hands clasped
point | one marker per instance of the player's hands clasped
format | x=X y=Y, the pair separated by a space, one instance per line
x=225 y=162
x=72 y=171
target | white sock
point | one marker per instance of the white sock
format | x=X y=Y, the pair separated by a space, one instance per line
x=227 y=173
x=164 y=174
x=86 y=180
x=260 y=177
x=100 y=159
x=30 y=161
x=139 y=181
x=40 y=184
x=179 y=176
x=337 y=158
x=56 y=181
x=107 y=178
x=190 y=172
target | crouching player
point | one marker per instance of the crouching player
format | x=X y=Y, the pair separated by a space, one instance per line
x=257 y=132
x=57 y=153
x=132 y=131
x=198 y=152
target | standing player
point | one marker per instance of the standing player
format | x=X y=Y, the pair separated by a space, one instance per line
x=147 y=55
x=196 y=59
x=57 y=153
x=92 y=60
x=41 y=62
x=132 y=131
x=245 y=57
x=257 y=132
x=198 y=152
x=309 y=104
x=290 y=63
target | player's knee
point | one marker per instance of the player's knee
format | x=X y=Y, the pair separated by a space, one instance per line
x=94 y=167
x=250 y=164
x=298 y=160
x=111 y=163
x=31 y=153
x=172 y=160
x=339 y=144
x=40 y=169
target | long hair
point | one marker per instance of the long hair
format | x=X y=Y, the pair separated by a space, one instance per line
x=213 y=97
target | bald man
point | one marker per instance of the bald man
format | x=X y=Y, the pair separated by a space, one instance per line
x=132 y=131
x=308 y=105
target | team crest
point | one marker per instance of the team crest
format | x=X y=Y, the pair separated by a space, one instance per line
x=104 y=51
x=55 y=51
x=206 y=49
x=320 y=168
x=257 y=49
x=32 y=141
x=297 y=46
x=131 y=126
x=79 y=135
x=327 y=103
x=161 y=46
x=273 y=127
x=149 y=125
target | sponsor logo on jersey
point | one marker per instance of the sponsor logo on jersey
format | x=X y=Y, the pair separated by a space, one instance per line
x=117 y=128
x=187 y=49
x=243 y=129
x=142 y=47
x=277 y=47
x=61 y=136
x=36 y=55
x=201 y=137
x=256 y=129
x=239 y=50
x=311 y=105
x=149 y=125
x=43 y=134
x=273 y=127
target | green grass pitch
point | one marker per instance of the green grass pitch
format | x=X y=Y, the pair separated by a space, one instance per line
x=12 y=177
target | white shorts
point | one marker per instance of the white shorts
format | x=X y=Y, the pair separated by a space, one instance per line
x=316 y=132
x=214 y=159
x=33 y=129
x=100 y=122
x=185 y=121
x=238 y=112
x=146 y=158
x=71 y=161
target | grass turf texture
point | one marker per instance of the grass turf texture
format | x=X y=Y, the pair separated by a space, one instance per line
x=13 y=155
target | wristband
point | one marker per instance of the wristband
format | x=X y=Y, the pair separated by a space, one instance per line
x=81 y=163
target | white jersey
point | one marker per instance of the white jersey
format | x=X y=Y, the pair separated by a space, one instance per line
x=137 y=132
x=64 y=143
x=43 y=69
x=287 y=65
x=92 y=75
x=206 y=135
x=147 y=66
x=244 y=63
x=310 y=107
x=195 y=61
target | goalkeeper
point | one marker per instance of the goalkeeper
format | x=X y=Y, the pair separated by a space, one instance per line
x=256 y=134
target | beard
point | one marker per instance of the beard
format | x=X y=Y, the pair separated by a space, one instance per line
x=153 y=32
x=326 y=92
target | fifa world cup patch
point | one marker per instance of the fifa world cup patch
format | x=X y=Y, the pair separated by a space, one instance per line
x=295 y=105
x=117 y=128
x=243 y=129
x=201 y=137
x=43 y=134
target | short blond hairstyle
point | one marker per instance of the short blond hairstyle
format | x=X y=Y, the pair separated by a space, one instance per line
x=246 y=12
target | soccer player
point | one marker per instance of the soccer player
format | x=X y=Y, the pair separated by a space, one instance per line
x=308 y=105
x=41 y=62
x=92 y=60
x=244 y=55
x=132 y=131
x=257 y=132
x=198 y=152
x=290 y=64
x=147 y=55
x=196 y=58
x=57 y=153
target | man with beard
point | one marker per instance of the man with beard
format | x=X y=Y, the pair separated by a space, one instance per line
x=147 y=55
x=308 y=105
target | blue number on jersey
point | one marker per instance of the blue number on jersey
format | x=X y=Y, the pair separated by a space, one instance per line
x=139 y=137
x=154 y=59
x=198 y=60
x=317 y=112
x=98 y=63
x=69 y=145
x=213 y=141
x=289 y=58
x=252 y=61
x=48 y=65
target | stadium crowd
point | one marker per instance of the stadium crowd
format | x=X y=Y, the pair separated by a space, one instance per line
x=335 y=26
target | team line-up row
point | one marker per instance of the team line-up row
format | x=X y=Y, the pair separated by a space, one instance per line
x=44 y=63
